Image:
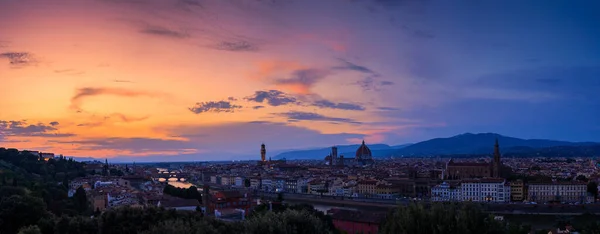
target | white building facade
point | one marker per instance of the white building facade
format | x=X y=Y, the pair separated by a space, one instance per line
x=485 y=190
x=445 y=192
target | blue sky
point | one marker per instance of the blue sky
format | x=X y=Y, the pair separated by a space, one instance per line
x=207 y=79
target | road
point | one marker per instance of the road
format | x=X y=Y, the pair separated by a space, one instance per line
x=373 y=204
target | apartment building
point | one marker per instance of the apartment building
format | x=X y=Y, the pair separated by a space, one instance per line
x=446 y=192
x=557 y=191
x=485 y=190
x=517 y=191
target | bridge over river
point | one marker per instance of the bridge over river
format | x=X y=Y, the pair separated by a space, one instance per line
x=170 y=175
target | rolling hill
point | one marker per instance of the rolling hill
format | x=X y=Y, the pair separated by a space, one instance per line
x=481 y=143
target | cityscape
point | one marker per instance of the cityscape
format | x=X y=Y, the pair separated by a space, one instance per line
x=299 y=116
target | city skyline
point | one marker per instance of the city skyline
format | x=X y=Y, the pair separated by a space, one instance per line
x=208 y=80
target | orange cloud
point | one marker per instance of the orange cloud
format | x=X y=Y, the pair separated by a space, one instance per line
x=269 y=68
x=88 y=92
x=292 y=77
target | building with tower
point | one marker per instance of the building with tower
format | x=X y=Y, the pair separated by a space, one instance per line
x=363 y=156
x=263 y=153
x=496 y=161
x=466 y=170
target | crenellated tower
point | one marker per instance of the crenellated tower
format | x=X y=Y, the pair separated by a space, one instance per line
x=496 y=161
x=263 y=153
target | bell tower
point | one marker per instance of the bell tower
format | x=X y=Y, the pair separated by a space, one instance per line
x=263 y=153
x=496 y=162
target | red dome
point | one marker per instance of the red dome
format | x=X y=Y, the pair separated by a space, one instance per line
x=363 y=152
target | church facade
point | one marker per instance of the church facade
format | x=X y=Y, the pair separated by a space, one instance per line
x=363 y=156
x=465 y=170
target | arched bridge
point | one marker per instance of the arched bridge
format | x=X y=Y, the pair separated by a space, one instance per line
x=172 y=174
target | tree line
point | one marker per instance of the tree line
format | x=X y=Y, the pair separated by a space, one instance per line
x=33 y=188
x=185 y=193
x=462 y=218
x=154 y=220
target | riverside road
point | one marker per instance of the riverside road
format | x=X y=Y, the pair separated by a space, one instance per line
x=371 y=204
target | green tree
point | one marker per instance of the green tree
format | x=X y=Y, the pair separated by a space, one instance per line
x=513 y=228
x=286 y=222
x=19 y=211
x=591 y=228
x=592 y=188
x=181 y=226
x=80 y=199
x=62 y=225
x=47 y=224
x=30 y=230
x=7 y=191
x=581 y=178
x=82 y=225
x=464 y=218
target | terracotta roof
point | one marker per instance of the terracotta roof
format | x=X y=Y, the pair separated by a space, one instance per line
x=363 y=150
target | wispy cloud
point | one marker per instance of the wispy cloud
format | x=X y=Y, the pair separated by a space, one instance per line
x=418 y=33
x=340 y=106
x=272 y=97
x=353 y=67
x=128 y=119
x=366 y=84
x=122 y=81
x=71 y=72
x=385 y=108
x=258 y=107
x=236 y=46
x=23 y=128
x=19 y=59
x=164 y=32
x=96 y=121
x=212 y=106
x=309 y=116
x=301 y=81
x=83 y=93
x=370 y=81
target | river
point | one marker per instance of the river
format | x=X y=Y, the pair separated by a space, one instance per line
x=177 y=182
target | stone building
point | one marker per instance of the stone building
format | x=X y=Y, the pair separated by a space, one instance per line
x=465 y=170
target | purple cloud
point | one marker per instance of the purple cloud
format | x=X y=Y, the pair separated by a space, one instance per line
x=212 y=106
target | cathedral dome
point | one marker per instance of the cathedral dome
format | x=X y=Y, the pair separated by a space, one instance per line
x=363 y=152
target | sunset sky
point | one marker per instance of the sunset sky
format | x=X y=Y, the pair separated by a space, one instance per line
x=213 y=79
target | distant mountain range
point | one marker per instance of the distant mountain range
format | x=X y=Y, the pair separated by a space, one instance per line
x=467 y=144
